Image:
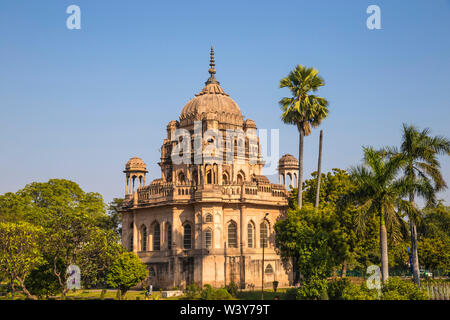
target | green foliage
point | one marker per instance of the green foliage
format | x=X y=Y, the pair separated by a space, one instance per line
x=434 y=243
x=42 y=282
x=343 y=289
x=336 y=288
x=19 y=251
x=209 y=293
x=74 y=231
x=398 y=289
x=313 y=238
x=378 y=194
x=335 y=185
x=313 y=289
x=126 y=271
x=303 y=108
x=394 y=289
x=222 y=294
x=232 y=289
x=113 y=221
x=193 y=291
x=361 y=292
x=421 y=176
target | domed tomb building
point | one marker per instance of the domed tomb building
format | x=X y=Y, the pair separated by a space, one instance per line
x=207 y=219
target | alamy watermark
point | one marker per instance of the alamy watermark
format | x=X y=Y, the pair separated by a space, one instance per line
x=374 y=279
x=374 y=20
x=74 y=20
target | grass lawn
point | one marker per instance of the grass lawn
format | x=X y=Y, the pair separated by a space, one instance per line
x=95 y=294
x=256 y=294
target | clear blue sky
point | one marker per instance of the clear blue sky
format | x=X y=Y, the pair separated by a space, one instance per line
x=77 y=104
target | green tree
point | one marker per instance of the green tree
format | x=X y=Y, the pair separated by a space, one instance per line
x=114 y=221
x=126 y=272
x=434 y=243
x=312 y=241
x=303 y=109
x=42 y=282
x=19 y=252
x=335 y=185
x=378 y=193
x=74 y=228
x=421 y=172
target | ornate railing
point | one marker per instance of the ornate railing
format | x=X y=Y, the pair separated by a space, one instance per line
x=160 y=192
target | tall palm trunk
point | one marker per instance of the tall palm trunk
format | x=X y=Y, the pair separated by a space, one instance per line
x=300 y=165
x=414 y=253
x=384 y=250
x=319 y=169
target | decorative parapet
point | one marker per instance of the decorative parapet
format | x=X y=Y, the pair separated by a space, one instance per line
x=159 y=193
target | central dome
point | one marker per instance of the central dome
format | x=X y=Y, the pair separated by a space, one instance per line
x=212 y=102
x=212 y=99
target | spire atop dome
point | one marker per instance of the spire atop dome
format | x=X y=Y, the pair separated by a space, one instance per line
x=212 y=70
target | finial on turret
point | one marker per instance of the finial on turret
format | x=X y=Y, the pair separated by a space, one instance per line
x=212 y=70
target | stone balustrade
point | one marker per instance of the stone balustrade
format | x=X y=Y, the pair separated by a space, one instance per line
x=164 y=192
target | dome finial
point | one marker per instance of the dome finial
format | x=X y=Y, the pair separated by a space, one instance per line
x=212 y=70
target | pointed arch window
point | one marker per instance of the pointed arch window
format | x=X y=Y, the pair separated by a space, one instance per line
x=144 y=238
x=232 y=235
x=240 y=177
x=208 y=238
x=269 y=269
x=131 y=237
x=225 y=178
x=131 y=242
x=181 y=178
x=209 y=176
x=169 y=236
x=187 y=236
x=250 y=235
x=156 y=237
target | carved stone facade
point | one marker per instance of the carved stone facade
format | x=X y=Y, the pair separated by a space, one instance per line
x=206 y=222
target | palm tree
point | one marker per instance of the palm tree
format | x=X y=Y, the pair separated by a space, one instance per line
x=378 y=193
x=319 y=169
x=303 y=109
x=421 y=173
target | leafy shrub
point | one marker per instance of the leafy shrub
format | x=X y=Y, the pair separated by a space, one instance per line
x=232 y=289
x=313 y=289
x=398 y=289
x=207 y=292
x=361 y=292
x=193 y=291
x=222 y=294
x=42 y=282
x=336 y=288
x=126 y=271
